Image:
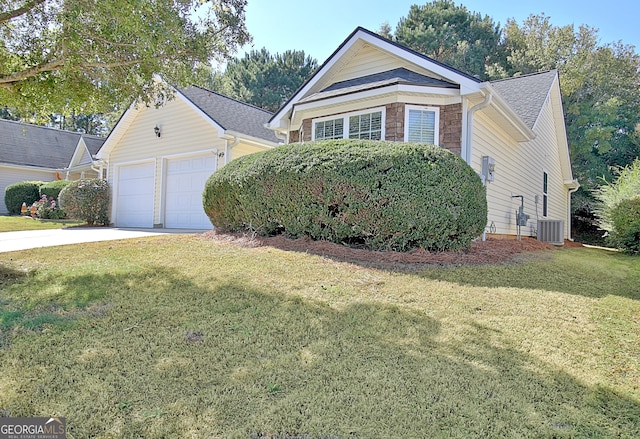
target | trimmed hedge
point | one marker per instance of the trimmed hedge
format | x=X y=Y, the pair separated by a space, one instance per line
x=53 y=188
x=625 y=218
x=87 y=200
x=381 y=195
x=22 y=192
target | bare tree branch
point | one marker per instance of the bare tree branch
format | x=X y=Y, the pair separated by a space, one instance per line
x=6 y=16
x=24 y=74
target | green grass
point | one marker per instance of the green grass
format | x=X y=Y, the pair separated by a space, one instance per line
x=18 y=223
x=178 y=337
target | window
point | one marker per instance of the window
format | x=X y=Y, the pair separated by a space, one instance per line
x=329 y=129
x=545 y=194
x=368 y=124
x=422 y=124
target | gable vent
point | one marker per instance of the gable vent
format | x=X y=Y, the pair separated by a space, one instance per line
x=551 y=231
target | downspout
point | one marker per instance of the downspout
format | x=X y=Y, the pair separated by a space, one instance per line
x=228 y=147
x=470 y=113
x=571 y=190
x=99 y=170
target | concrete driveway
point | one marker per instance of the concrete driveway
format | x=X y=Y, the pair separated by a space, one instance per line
x=13 y=241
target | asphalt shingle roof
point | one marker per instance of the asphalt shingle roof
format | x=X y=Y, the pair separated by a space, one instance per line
x=526 y=94
x=32 y=145
x=231 y=114
x=378 y=80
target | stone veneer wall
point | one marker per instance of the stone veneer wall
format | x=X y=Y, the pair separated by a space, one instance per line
x=450 y=126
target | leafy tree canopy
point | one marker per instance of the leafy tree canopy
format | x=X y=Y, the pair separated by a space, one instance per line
x=85 y=56
x=263 y=79
x=452 y=35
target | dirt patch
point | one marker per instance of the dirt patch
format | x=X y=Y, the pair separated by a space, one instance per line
x=488 y=252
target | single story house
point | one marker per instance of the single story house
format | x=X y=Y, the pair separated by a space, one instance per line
x=510 y=131
x=37 y=153
x=158 y=158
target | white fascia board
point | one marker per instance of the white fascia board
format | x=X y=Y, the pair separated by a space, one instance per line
x=118 y=131
x=202 y=114
x=77 y=154
x=507 y=112
x=266 y=144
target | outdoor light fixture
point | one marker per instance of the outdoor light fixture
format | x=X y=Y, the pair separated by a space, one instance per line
x=157 y=131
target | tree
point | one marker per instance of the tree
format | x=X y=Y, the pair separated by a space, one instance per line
x=87 y=56
x=263 y=79
x=452 y=35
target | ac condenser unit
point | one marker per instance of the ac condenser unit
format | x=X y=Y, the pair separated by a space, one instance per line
x=551 y=231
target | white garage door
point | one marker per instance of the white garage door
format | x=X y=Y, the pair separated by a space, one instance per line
x=186 y=178
x=134 y=202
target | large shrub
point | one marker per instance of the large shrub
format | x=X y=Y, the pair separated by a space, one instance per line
x=610 y=195
x=625 y=218
x=87 y=200
x=52 y=188
x=383 y=195
x=22 y=192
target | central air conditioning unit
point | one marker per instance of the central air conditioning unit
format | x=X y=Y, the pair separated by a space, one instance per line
x=551 y=231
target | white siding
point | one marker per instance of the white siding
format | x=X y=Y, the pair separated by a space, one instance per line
x=10 y=175
x=519 y=171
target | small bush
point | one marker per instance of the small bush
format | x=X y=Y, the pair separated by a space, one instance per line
x=380 y=195
x=52 y=188
x=625 y=218
x=47 y=208
x=87 y=200
x=22 y=192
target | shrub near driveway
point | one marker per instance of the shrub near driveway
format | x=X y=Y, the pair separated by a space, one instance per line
x=383 y=195
x=87 y=200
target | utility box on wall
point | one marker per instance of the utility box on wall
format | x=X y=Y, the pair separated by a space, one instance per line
x=488 y=168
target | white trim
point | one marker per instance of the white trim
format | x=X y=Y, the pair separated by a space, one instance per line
x=116 y=178
x=436 y=128
x=345 y=117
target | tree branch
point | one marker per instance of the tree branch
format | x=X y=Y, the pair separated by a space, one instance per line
x=6 y=16
x=24 y=74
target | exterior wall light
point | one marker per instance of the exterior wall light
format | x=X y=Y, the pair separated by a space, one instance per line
x=157 y=131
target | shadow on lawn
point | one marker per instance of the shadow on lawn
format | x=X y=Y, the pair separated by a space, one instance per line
x=271 y=363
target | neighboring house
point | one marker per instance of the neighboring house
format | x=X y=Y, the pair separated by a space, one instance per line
x=157 y=160
x=31 y=152
x=510 y=131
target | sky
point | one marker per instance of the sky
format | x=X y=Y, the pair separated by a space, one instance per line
x=319 y=27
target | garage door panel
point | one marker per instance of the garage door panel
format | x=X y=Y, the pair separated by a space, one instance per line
x=134 y=203
x=185 y=181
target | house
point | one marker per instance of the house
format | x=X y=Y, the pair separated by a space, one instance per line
x=31 y=152
x=510 y=131
x=158 y=158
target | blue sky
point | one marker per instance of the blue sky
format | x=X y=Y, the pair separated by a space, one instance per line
x=319 y=27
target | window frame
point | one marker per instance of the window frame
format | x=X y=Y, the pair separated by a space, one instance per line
x=345 y=121
x=545 y=194
x=436 y=130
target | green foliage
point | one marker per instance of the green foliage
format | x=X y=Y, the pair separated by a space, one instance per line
x=383 y=195
x=53 y=188
x=625 y=218
x=79 y=56
x=263 y=79
x=451 y=34
x=625 y=187
x=48 y=208
x=87 y=200
x=22 y=192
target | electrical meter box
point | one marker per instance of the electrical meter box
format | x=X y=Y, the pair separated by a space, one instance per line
x=488 y=168
x=522 y=217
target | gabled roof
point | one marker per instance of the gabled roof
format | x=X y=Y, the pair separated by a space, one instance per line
x=526 y=94
x=230 y=114
x=32 y=145
x=360 y=35
x=377 y=80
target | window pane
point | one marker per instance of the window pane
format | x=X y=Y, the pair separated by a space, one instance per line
x=366 y=126
x=422 y=126
x=329 y=129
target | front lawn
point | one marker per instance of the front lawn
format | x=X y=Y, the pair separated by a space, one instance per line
x=181 y=337
x=18 y=223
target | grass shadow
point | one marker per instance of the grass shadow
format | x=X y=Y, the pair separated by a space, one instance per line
x=268 y=363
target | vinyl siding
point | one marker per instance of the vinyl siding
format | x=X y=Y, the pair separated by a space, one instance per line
x=10 y=175
x=519 y=171
x=183 y=131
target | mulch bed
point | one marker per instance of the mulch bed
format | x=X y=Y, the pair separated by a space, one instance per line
x=488 y=252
